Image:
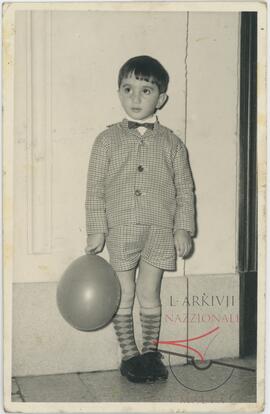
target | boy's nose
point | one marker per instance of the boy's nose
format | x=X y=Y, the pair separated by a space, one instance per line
x=136 y=98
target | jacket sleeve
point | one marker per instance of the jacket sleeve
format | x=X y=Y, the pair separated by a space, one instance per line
x=185 y=208
x=96 y=221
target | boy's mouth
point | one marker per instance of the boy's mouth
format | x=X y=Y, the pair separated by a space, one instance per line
x=136 y=109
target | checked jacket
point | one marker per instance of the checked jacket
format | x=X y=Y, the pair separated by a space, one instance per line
x=139 y=179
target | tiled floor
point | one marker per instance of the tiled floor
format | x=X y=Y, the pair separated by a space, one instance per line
x=185 y=384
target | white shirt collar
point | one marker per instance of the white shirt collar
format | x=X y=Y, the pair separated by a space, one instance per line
x=150 y=119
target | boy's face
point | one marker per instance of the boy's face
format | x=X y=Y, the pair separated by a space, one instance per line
x=140 y=98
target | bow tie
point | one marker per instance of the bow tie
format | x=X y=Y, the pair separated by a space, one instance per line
x=133 y=125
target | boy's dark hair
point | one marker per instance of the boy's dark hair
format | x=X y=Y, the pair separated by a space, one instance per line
x=145 y=68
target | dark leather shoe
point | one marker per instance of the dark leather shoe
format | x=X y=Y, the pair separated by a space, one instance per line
x=155 y=367
x=135 y=370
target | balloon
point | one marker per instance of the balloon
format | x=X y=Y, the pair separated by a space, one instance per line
x=88 y=293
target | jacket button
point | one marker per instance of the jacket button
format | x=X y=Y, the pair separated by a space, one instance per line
x=140 y=168
x=138 y=193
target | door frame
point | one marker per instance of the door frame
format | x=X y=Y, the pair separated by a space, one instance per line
x=247 y=240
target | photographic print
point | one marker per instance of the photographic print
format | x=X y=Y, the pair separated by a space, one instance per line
x=134 y=206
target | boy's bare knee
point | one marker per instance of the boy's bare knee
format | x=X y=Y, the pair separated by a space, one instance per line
x=146 y=302
x=127 y=293
x=148 y=298
x=127 y=298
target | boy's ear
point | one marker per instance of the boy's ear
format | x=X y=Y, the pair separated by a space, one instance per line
x=162 y=100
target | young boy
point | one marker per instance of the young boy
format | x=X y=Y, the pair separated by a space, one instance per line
x=140 y=201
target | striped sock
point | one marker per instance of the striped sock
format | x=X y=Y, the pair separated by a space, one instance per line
x=150 y=322
x=123 y=326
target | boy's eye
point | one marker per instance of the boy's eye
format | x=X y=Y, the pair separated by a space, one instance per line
x=127 y=89
x=147 y=91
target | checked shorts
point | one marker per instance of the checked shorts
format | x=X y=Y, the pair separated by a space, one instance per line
x=128 y=244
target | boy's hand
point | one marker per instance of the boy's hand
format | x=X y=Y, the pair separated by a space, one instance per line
x=182 y=242
x=95 y=243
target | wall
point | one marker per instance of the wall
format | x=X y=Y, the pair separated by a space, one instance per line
x=66 y=93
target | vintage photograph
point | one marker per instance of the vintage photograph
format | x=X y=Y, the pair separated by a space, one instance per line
x=134 y=206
